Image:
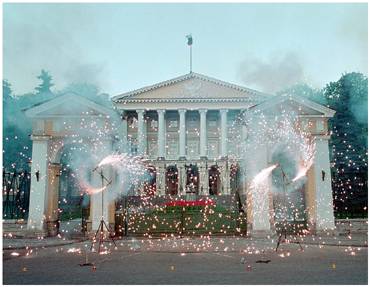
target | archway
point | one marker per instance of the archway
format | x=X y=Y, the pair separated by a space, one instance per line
x=288 y=197
x=214 y=180
x=75 y=175
x=192 y=179
x=172 y=180
x=65 y=120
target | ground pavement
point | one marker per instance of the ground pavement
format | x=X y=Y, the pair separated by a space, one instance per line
x=215 y=260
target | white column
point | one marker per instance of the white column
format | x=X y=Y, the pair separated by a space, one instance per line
x=324 y=197
x=141 y=132
x=223 y=152
x=39 y=183
x=259 y=195
x=161 y=178
x=161 y=134
x=244 y=135
x=182 y=136
x=203 y=179
x=125 y=146
x=182 y=179
x=51 y=212
x=203 y=133
x=226 y=178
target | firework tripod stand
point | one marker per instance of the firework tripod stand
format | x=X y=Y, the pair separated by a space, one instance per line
x=284 y=230
x=102 y=224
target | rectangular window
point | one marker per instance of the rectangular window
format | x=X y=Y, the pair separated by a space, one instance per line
x=173 y=124
x=153 y=124
x=172 y=148
x=153 y=149
x=213 y=123
x=213 y=148
x=133 y=146
x=320 y=125
x=192 y=123
x=193 y=148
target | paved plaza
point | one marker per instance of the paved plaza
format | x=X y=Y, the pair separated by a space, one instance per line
x=189 y=261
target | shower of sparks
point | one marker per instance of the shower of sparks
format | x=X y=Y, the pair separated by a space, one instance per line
x=262 y=175
x=91 y=190
x=122 y=161
x=149 y=215
x=74 y=250
x=308 y=151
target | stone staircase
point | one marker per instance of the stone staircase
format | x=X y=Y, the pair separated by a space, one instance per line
x=14 y=228
x=18 y=229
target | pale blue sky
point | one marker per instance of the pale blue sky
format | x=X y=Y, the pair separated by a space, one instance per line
x=126 y=46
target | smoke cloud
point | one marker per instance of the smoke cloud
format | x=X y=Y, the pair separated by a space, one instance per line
x=276 y=73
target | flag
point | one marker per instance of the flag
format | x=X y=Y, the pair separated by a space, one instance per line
x=190 y=39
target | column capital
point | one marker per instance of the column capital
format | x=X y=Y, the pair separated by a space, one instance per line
x=141 y=111
x=322 y=137
x=161 y=111
x=54 y=164
x=203 y=111
x=40 y=137
x=182 y=111
x=224 y=111
x=123 y=114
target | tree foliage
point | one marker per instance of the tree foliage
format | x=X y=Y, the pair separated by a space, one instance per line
x=348 y=145
x=17 y=144
x=16 y=128
x=306 y=91
x=46 y=82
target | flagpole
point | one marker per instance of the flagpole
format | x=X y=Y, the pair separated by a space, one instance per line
x=190 y=44
x=191 y=60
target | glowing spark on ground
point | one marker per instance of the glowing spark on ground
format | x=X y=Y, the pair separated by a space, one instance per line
x=74 y=250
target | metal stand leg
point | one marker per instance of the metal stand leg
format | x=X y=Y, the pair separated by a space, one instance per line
x=100 y=230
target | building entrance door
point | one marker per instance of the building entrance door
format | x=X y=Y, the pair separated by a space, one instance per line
x=192 y=179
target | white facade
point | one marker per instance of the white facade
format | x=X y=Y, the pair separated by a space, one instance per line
x=190 y=130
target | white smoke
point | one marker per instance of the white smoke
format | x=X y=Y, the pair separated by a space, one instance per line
x=279 y=71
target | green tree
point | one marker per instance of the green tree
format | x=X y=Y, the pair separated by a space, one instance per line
x=306 y=91
x=7 y=90
x=16 y=143
x=348 y=97
x=8 y=101
x=348 y=145
x=46 y=82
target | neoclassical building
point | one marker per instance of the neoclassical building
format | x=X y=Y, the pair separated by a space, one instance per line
x=189 y=130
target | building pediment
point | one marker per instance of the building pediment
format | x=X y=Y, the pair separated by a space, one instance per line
x=303 y=106
x=68 y=105
x=191 y=87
